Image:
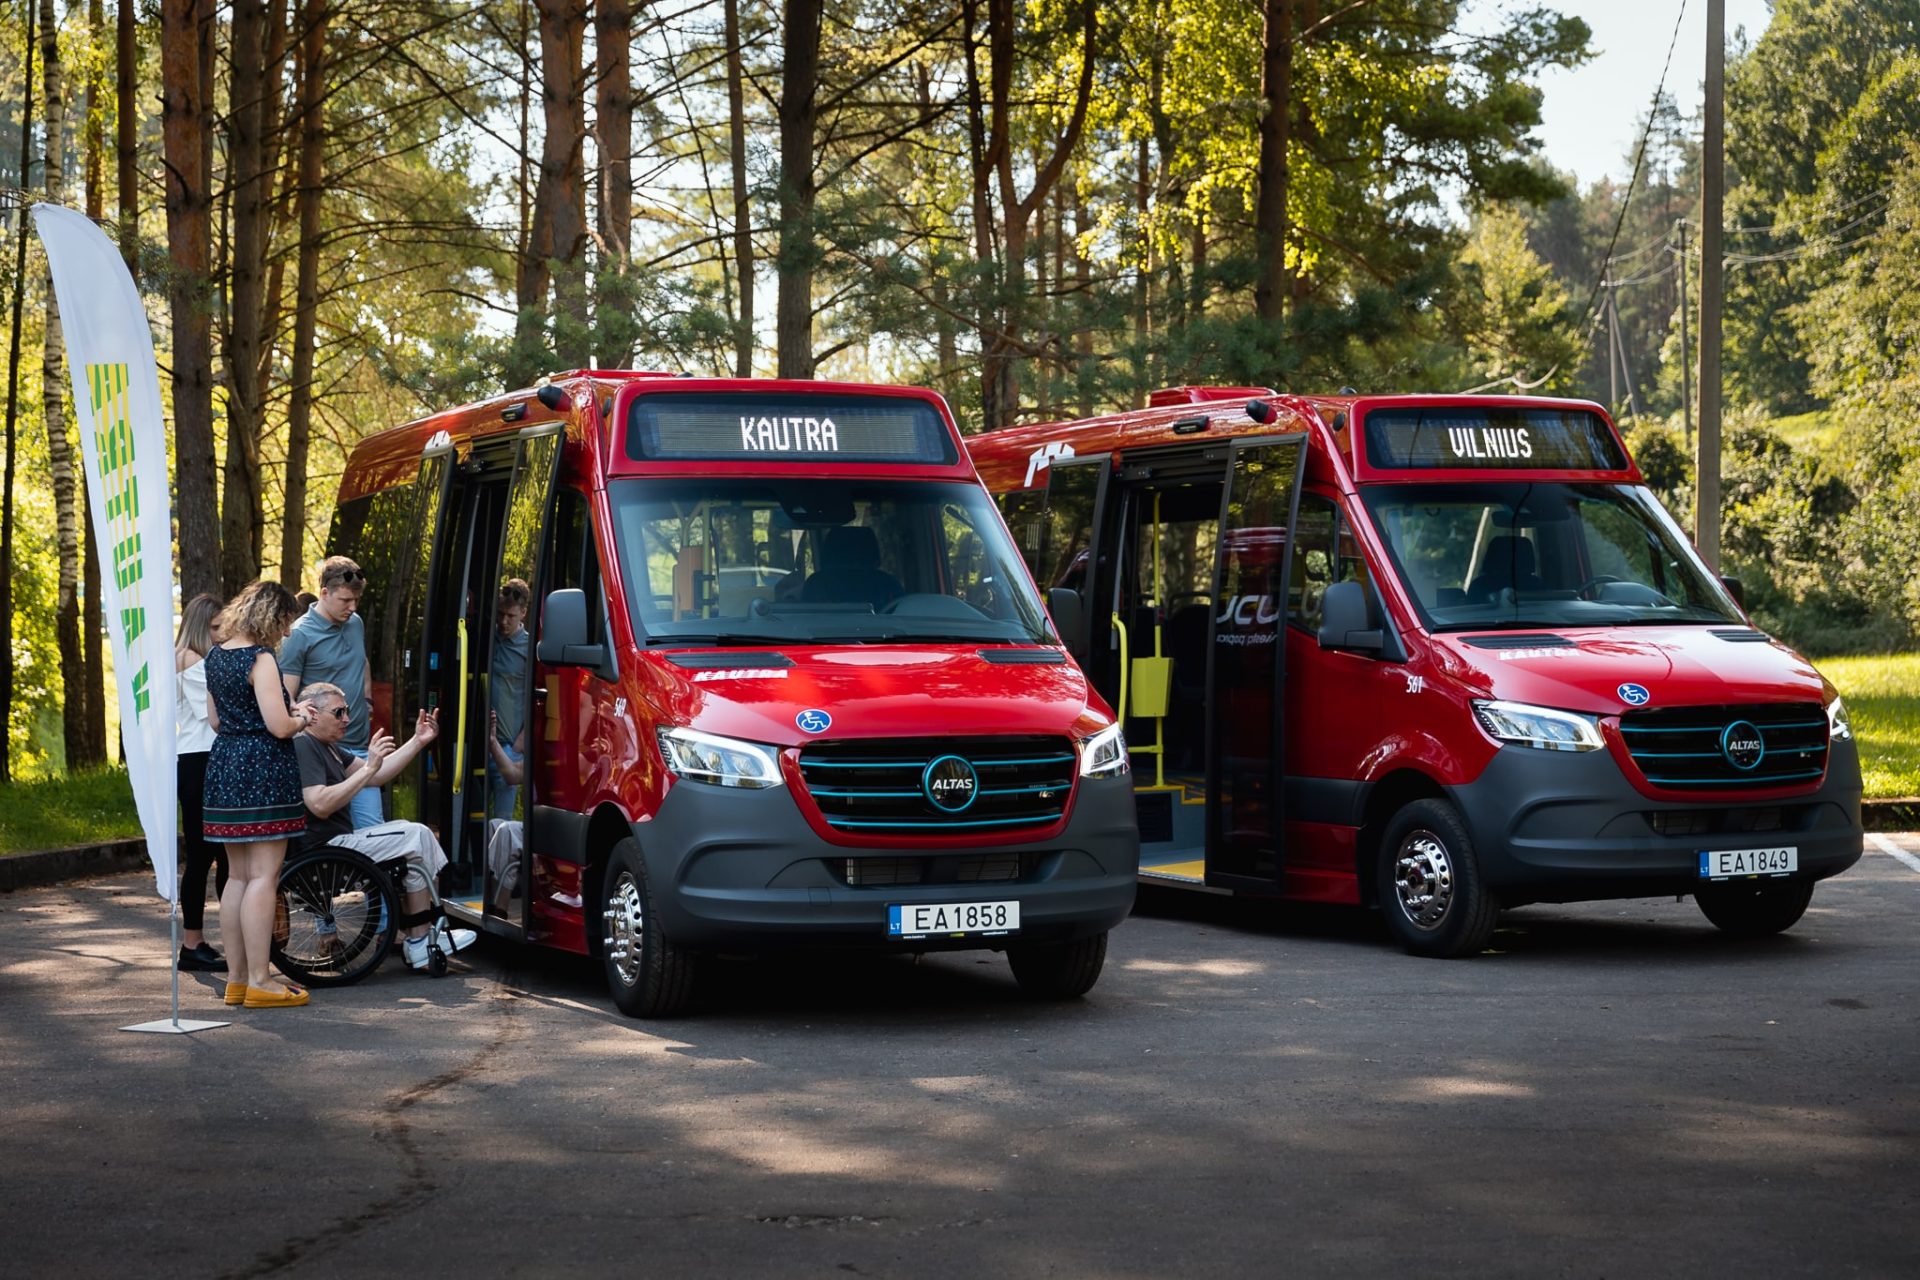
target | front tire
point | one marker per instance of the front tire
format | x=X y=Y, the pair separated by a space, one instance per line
x=1430 y=888
x=1754 y=910
x=1059 y=970
x=647 y=975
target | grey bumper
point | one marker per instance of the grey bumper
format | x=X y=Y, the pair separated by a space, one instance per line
x=1561 y=827
x=736 y=869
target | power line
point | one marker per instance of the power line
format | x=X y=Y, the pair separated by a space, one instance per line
x=1639 y=159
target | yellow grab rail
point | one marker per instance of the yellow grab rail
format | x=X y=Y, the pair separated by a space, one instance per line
x=460 y=732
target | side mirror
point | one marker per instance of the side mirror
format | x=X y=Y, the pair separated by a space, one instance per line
x=1069 y=618
x=563 y=631
x=1737 y=589
x=1346 y=620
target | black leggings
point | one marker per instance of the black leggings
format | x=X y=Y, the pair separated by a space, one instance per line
x=198 y=853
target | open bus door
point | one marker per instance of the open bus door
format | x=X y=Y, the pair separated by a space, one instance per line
x=1069 y=551
x=420 y=792
x=1246 y=669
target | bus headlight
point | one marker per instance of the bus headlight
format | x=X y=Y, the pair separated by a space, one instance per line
x=724 y=762
x=1839 y=726
x=1543 y=727
x=1104 y=755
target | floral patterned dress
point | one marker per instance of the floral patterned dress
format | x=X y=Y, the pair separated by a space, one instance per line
x=253 y=778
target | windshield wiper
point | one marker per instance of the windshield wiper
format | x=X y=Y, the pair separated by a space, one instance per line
x=721 y=639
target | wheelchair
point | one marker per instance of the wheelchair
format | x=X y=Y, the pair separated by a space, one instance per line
x=339 y=914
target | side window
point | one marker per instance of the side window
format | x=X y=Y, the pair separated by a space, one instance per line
x=573 y=564
x=1024 y=510
x=1325 y=553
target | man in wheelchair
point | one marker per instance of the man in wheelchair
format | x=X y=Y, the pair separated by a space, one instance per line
x=330 y=778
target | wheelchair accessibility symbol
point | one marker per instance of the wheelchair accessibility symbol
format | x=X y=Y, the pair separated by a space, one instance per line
x=813 y=721
x=1634 y=695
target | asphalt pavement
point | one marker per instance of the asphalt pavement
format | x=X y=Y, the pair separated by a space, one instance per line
x=1615 y=1090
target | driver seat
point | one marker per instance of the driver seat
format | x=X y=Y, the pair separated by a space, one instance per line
x=850 y=571
x=1509 y=562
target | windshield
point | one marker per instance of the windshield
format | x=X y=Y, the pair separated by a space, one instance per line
x=1503 y=555
x=715 y=561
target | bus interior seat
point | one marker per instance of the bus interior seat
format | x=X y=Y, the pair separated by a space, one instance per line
x=1449 y=596
x=850 y=571
x=1508 y=563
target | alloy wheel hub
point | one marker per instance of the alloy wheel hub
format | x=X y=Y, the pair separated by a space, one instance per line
x=1423 y=878
x=626 y=928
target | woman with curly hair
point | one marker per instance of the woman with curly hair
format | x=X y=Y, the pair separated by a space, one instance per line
x=253 y=802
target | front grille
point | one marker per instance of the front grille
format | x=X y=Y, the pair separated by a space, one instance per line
x=1687 y=747
x=1709 y=822
x=879 y=786
x=972 y=869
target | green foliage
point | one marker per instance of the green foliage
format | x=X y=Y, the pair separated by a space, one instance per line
x=1883 y=701
x=78 y=808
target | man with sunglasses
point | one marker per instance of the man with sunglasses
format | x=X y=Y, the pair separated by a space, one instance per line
x=330 y=779
x=328 y=645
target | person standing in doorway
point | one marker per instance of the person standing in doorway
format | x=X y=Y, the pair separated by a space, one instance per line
x=508 y=691
x=199 y=632
x=253 y=803
x=328 y=645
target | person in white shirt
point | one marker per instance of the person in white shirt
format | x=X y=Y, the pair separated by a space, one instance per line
x=198 y=633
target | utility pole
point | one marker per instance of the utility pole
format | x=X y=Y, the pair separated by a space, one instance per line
x=1713 y=147
x=1613 y=354
x=1686 y=355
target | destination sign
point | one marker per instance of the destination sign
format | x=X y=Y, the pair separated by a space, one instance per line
x=786 y=427
x=1491 y=438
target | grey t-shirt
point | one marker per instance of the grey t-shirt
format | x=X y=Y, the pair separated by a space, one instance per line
x=510 y=683
x=321 y=766
x=317 y=650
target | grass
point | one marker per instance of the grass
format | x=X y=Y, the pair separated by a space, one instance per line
x=1811 y=433
x=1883 y=699
x=83 y=809
x=1882 y=695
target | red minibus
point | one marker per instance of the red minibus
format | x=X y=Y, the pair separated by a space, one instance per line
x=1445 y=654
x=788 y=681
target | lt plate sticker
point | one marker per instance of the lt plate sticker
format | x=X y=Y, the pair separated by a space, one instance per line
x=1634 y=695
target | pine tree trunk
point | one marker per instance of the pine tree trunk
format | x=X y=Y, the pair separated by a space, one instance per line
x=563 y=183
x=92 y=618
x=243 y=520
x=615 y=330
x=313 y=86
x=186 y=43
x=742 y=209
x=127 y=76
x=799 y=114
x=18 y=282
x=1274 y=285
x=59 y=442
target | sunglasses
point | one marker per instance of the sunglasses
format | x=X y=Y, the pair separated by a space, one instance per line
x=345 y=578
x=339 y=713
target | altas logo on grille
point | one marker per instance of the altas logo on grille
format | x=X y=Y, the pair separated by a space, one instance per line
x=950 y=783
x=1742 y=745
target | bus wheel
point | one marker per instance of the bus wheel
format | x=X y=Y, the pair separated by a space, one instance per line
x=1059 y=970
x=648 y=976
x=1754 y=910
x=1429 y=882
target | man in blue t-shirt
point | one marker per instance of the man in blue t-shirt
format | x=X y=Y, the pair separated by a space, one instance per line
x=329 y=645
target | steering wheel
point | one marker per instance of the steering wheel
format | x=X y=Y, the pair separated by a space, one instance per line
x=1598 y=580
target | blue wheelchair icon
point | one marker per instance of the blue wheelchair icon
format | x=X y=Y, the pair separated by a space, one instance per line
x=813 y=721
x=1634 y=695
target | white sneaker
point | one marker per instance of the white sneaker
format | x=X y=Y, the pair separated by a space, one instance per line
x=454 y=940
x=414 y=951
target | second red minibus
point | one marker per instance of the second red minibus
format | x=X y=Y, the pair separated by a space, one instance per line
x=1442 y=653
x=787 y=681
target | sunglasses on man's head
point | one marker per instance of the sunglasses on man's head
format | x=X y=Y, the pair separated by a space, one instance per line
x=347 y=577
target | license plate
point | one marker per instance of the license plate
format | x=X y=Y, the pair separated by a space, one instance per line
x=951 y=919
x=1725 y=864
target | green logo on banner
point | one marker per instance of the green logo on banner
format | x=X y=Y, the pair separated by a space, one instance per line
x=113 y=438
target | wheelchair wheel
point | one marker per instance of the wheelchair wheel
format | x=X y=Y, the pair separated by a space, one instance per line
x=339 y=912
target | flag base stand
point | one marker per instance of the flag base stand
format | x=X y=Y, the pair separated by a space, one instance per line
x=173 y=1026
x=167 y=1026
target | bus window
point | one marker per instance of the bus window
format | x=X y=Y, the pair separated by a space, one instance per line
x=1325 y=553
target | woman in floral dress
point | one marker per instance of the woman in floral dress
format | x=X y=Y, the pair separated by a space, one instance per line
x=253 y=800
